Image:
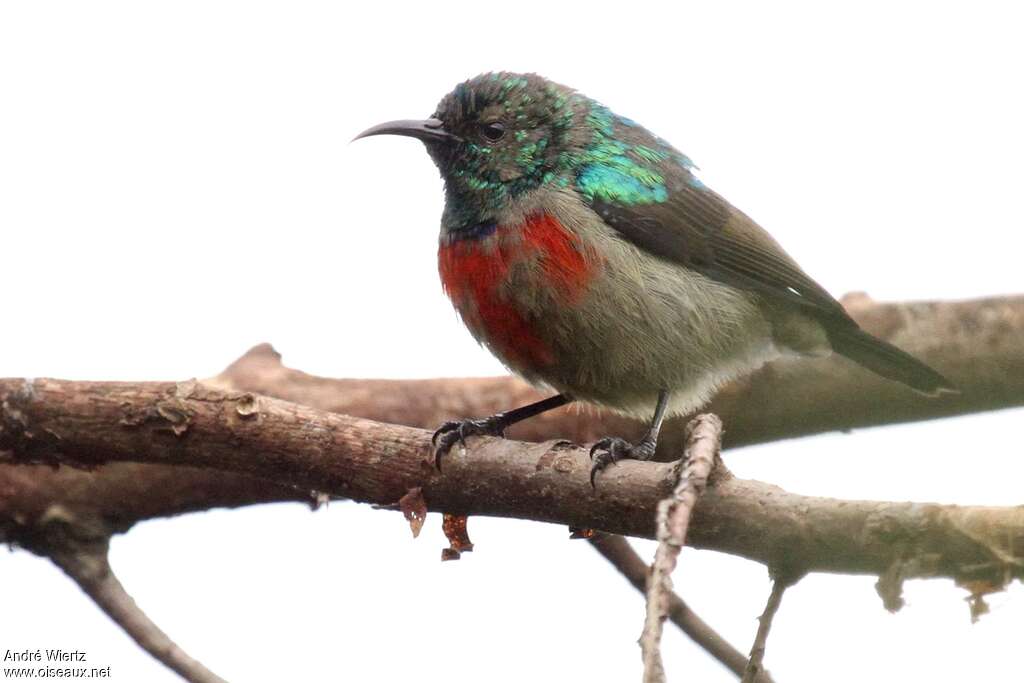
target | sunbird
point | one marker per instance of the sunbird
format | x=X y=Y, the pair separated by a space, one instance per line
x=586 y=254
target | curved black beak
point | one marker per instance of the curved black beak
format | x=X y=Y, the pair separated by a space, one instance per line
x=427 y=130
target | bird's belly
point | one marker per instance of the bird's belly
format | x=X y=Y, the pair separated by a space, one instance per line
x=580 y=310
x=646 y=325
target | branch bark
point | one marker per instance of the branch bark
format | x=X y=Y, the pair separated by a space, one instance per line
x=704 y=439
x=89 y=423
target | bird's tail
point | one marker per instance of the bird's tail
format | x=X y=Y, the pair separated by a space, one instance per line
x=888 y=361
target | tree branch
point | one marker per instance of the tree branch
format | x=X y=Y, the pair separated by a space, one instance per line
x=89 y=423
x=704 y=439
x=975 y=342
x=755 y=665
x=80 y=548
x=621 y=555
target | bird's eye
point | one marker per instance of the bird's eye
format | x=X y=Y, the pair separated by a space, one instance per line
x=492 y=131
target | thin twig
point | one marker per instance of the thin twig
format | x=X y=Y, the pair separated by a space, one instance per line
x=703 y=441
x=756 y=663
x=89 y=567
x=617 y=550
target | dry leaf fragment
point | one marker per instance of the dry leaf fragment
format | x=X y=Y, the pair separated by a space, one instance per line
x=979 y=588
x=581 y=532
x=414 y=507
x=458 y=538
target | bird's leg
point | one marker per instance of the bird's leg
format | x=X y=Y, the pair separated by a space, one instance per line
x=610 y=450
x=456 y=431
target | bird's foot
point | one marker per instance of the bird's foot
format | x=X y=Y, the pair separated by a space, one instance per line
x=455 y=432
x=610 y=450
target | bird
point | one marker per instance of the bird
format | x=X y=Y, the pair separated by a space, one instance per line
x=588 y=256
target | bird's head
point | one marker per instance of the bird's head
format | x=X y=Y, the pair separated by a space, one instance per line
x=498 y=136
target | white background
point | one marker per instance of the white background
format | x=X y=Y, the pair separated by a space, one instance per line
x=177 y=184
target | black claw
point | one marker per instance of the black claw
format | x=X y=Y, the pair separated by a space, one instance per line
x=446 y=427
x=455 y=432
x=610 y=450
